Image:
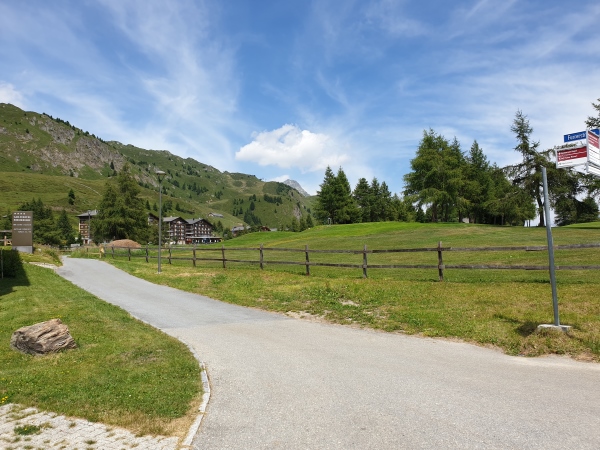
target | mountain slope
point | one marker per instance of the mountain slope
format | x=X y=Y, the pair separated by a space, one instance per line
x=45 y=157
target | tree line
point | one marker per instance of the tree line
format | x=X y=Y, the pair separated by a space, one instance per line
x=447 y=184
x=48 y=228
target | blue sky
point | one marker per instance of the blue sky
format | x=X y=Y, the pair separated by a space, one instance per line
x=281 y=89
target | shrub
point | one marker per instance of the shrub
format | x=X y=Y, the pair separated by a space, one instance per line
x=10 y=263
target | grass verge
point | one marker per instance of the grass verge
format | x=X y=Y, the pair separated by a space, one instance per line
x=121 y=373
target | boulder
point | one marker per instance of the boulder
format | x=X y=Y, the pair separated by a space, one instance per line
x=45 y=337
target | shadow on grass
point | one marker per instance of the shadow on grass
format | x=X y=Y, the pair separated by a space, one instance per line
x=12 y=272
x=524 y=329
x=527 y=328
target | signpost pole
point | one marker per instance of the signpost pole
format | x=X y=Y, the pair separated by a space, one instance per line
x=556 y=325
x=160 y=174
x=550 y=249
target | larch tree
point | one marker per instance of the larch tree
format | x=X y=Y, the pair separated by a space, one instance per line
x=436 y=175
x=528 y=174
x=594 y=122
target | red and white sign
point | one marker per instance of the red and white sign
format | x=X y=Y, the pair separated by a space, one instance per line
x=573 y=156
x=593 y=148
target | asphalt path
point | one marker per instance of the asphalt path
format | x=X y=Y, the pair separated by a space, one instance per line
x=278 y=382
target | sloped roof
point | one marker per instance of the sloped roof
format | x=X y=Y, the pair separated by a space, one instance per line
x=89 y=213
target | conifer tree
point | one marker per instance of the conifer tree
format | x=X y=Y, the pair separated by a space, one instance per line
x=594 y=122
x=436 y=177
x=326 y=205
x=346 y=209
x=121 y=212
x=528 y=174
x=65 y=228
x=363 y=198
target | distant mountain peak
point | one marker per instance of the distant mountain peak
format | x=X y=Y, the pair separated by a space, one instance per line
x=296 y=185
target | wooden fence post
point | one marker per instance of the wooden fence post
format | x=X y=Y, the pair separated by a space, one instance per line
x=261 y=256
x=365 y=261
x=169 y=254
x=307 y=260
x=113 y=251
x=440 y=262
x=129 y=253
x=194 y=258
x=147 y=252
x=223 y=253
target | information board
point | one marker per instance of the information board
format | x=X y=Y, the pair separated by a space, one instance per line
x=572 y=156
x=22 y=229
x=593 y=145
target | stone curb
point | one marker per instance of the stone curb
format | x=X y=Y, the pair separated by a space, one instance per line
x=202 y=409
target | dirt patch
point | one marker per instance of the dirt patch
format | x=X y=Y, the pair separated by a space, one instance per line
x=125 y=243
x=306 y=316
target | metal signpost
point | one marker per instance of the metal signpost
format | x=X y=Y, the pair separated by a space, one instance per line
x=22 y=231
x=160 y=174
x=556 y=324
x=582 y=152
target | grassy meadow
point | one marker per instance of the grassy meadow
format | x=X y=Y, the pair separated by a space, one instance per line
x=499 y=308
x=121 y=373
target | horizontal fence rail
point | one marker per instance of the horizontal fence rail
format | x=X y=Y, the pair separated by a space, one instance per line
x=171 y=254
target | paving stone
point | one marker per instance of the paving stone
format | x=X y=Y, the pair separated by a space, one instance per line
x=60 y=432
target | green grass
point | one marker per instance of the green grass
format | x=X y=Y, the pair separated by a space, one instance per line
x=500 y=308
x=585 y=225
x=121 y=373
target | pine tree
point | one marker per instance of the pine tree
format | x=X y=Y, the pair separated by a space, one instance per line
x=478 y=184
x=294 y=225
x=302 y=223
x=121 y=212
x=374 y=193
x=346 y=209
x=309 y=221
x=71 y=197
x=64 y=227
x=363 y=198
x=325 y=208
x=44 y=225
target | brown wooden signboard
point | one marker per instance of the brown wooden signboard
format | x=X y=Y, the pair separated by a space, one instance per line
x=22 y=229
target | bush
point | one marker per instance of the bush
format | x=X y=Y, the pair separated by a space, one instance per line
x=10 y=263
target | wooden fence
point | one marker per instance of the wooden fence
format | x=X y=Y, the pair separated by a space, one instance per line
x=170 y=254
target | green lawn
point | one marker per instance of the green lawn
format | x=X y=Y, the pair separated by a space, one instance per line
x=120 y=374
x=489 y=307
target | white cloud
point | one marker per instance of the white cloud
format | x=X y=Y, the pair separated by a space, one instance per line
x=8 y=94
x=281 y=178
x=289 y=146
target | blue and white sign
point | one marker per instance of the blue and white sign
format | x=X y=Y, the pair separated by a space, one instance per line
x=578 y=136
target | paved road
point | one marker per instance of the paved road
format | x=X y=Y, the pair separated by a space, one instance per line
x=278 y=382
